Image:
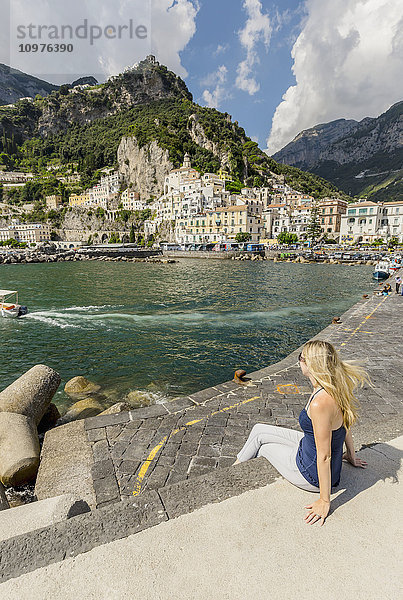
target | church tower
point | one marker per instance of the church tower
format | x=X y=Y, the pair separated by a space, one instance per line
x=186 y=161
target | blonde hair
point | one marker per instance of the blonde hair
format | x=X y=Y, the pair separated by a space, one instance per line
x=337 y=377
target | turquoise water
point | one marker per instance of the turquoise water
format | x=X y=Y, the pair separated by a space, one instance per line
x=167 y=330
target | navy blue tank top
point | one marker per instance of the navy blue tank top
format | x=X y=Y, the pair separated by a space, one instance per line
x=306 y=454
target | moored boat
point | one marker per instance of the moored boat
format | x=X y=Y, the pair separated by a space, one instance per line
x=9 y=306
x=381 y=270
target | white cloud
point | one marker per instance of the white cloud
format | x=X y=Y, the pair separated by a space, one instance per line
x=213 y=98
x=170 y=26
x=348 y=62
x=257 y=29
x=173 y=26
x=221 y=48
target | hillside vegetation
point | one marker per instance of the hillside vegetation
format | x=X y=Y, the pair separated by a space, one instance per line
x=150 y=103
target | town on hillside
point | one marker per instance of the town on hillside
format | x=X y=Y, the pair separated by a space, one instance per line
x=203 y=209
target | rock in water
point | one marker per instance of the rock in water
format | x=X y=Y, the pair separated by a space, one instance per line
x=22 y=406
x=116 y=408
x=138 y=399
x=80 y=386
x=89 y=407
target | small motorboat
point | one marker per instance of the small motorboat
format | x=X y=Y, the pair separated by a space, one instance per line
x=394 y=266
x=381 y=270
x=9 y=306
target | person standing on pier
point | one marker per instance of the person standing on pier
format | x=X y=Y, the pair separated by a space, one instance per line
x=312 y=459
x=398 y=282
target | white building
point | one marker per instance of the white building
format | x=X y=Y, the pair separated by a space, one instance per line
x=26 y=232
x=361 y=222
x=391 y=221
x=131 y=200
x=105 y=190
x=15 y=177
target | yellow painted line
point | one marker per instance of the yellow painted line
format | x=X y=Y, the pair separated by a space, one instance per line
x=364 y=321
x=293 y=388
x=146 y=464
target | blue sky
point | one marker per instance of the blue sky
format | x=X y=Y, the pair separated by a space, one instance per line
x=218 y=24
x=277 y=66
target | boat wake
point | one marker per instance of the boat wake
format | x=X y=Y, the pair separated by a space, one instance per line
x=94 y=317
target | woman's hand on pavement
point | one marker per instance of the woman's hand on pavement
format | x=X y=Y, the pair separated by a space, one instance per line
x=356 y=462
x=317 y=511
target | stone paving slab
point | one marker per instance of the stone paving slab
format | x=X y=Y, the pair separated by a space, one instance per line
x=25 y=553
x=174 y=441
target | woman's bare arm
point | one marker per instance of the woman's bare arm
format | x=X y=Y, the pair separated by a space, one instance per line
x=349 y=455
x=321 y=414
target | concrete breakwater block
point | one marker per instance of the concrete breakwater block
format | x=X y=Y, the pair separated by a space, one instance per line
x=29 y=517
x=3 y=498
x=22 y=406
x=66 y=462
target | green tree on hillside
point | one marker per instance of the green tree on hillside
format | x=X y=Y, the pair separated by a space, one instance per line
x=314 y=229
x=132 y=236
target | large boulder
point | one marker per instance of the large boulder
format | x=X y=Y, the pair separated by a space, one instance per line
x=88 y=407
x=79 y=387
x=22 y=406
x=137 y=399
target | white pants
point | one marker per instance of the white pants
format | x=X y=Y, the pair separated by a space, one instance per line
x=279 y=445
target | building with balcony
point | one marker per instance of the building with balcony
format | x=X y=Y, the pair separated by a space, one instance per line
x=131 y=200
x=391 y=221
x=26 y=232
x=331 y=212
x=218 y=225
x=80 y=199
x=361 y=222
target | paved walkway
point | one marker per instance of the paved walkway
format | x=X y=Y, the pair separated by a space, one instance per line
x=250 y=547
x=163 y=444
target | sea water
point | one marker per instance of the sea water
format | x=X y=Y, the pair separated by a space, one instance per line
x=167 y=329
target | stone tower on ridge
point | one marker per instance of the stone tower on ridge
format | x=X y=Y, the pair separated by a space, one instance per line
x=186 y=161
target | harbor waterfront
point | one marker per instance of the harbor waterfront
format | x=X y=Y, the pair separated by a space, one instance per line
x=177 y=457
x=167 y=330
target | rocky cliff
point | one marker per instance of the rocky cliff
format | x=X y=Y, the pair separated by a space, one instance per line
x=14 y=85
x=144 y=168
x=142 y=84
x=363 y=157
x=306 y=148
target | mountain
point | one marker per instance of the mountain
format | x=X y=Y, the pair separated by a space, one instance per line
x=362 y=158
x=146 y=113
x=15 y=85
x=84 y=81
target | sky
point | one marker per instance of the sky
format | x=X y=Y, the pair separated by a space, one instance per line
x=278 y=67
